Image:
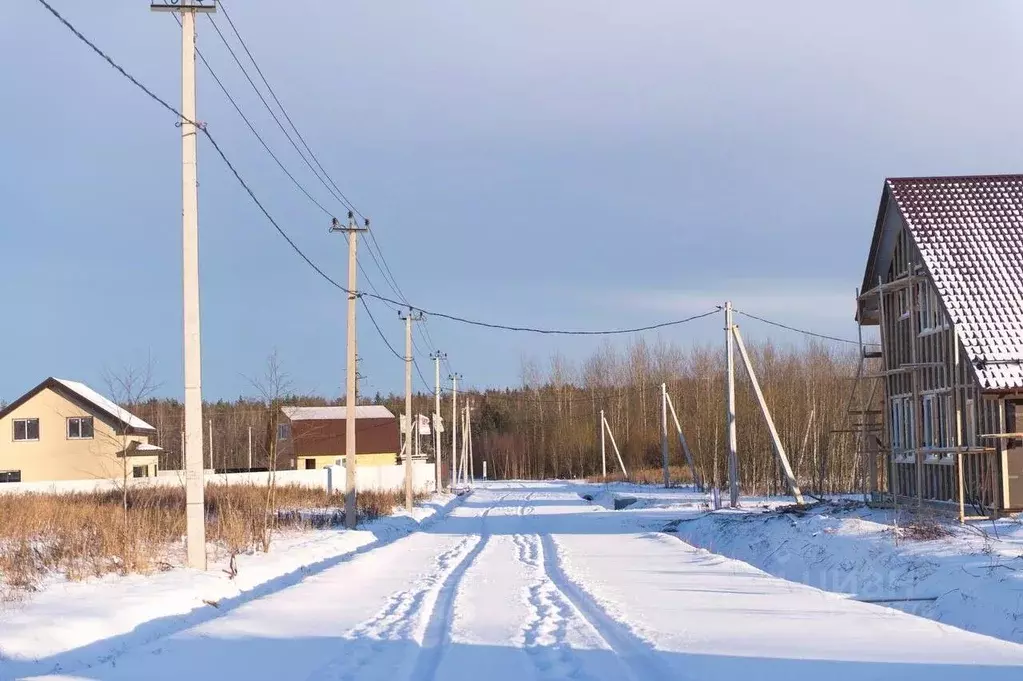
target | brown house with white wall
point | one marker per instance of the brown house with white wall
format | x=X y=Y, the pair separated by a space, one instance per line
x=314 y=437
x=65 y=430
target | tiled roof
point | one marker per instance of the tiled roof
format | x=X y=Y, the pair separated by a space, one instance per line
x=969 y=231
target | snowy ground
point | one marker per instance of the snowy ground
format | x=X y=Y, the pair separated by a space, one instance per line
x=972 y=578
x=74 y=625
x=528 y=581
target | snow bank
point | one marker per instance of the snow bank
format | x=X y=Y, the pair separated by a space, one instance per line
x=67 y=624
x=972 y=578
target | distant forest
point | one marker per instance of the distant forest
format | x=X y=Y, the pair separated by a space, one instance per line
x=548 y=427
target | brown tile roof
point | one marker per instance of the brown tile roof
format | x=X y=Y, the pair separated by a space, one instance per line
x=969 y=231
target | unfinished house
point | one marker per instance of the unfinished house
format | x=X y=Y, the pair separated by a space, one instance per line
x=944 y=286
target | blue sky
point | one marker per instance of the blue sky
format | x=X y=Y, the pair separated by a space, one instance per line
x=578 y=163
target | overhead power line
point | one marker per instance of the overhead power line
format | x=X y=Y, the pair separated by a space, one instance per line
x=252 y=128
x=340 y=194
x=316 y=268
x=802 y=331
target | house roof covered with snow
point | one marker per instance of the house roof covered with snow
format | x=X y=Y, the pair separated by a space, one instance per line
x=372 y=411
x=969 y=232
x=87 y=395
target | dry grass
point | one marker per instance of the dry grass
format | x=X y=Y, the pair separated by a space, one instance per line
x=679 y=475
x=80 y=535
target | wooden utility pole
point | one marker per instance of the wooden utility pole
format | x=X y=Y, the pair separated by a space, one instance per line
x=733 y=457
x=195 y=509
x=454 y=428
x=614 y=444
x=412 y=316
x=437 y=357
x=685 y=445
x=352 y=232
x=664 y=433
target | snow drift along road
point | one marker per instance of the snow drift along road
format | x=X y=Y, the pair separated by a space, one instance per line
x=527 y=581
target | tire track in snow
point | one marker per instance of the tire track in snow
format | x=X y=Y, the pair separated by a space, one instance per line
x=395 y=621
x=400 y=617
x=640 y=660
x=437 y=635
x=545 y=634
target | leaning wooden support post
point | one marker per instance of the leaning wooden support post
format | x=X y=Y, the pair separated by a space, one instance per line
x=685 y=445
x=779 y=450
x=615 y=445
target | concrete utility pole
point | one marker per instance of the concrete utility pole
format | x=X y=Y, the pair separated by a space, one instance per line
x=468 y=436
x=733 y=459
x=664 y=433
x=352 y=232
x=603 y=448
x=454 y=428
x=195 y=513
x=437 y=357
x=412 y=316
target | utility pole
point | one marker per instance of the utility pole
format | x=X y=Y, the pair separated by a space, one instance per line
x=468 y=435
x=733 y=459
x=603 y=448
x=664 y=433
x=454 y=428
x=352 y=232
x=437 y=357
x=195 y=509
x=412 y=316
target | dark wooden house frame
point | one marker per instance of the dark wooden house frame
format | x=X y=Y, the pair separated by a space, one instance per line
x=944 y=285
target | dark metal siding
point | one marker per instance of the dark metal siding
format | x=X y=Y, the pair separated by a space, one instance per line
x=322 y=437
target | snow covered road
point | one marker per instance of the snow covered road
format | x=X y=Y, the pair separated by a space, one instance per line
x=528 y=581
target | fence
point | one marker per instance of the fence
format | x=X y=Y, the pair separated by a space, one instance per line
x=331 y=478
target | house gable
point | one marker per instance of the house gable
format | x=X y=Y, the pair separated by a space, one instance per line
x=969 y=234
x=88 y=400
x=56 y=453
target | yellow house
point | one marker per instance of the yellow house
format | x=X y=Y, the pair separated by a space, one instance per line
x=65 y=430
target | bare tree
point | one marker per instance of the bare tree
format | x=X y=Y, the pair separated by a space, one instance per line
x=274 y=386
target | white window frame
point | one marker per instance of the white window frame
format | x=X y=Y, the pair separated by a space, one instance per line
x=283 y=431
x=80 y=420
x=14 y=430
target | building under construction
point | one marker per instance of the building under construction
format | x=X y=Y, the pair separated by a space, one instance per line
x=944 y=286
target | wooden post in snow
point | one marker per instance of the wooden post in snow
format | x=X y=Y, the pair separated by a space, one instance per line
x=779 y=450
x=615 y=445
x=685 y=445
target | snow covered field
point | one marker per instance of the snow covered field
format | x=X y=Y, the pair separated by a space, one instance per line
x=972 y=578
x=528 y=581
